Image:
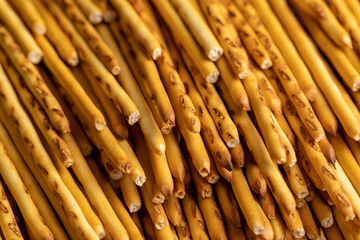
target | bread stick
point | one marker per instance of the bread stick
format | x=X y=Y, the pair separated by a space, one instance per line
x=174 y=157
x=147 y=122
x=200 y=30
x=311 y=229
x=131 y=194
x=20 y=33
x=207 y=68
x=65 y=48
x=322 y=211
x=333 y=232
x=173 y=210
x=91 y=10
x=254 y=177
x=323 y=15
x=156 y=211
x=333 y=52
x=34 y=81
x=128 y=229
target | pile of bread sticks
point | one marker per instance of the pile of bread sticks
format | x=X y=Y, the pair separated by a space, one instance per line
x=180 y=119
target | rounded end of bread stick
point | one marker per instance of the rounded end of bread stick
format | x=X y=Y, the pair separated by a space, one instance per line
x=35 y=56
x=259 y=230
x=99 y=125
x=101 y=234
x=347 y=41
x=327 y=222
x=266 y=64
x=39 y=29
x=291 y=162
x=303 y=194
x=133 y=118
x=213 y=179
x=300 y=203
x=116 y=175
x=158 y=199
x=213 y=77
x=68 y=162
x=139 y=181
x=134 y=207
x=156 y=53
x=243 y=74
x=96 y=17
x=232 y=143
x=349 y=218
x=215 y=53
x=116 y=70
x=165 y=129
x=160 y=225
x=356 y=85
x=298 y=233
x=73 y=60
x=109 y=16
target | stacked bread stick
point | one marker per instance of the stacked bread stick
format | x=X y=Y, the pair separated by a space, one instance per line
x=180 y=119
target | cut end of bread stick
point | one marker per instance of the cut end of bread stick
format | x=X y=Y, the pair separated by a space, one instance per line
x=166 y=129
x=259 y=230
x=35 y=56
x=356 y=85
x=266 y=64
x=298 y=233
x=348 y=42
x=116 y=70
x=213 y=77
x=158 y=199
x=180 y=194
x=96 y=17
x=243 y=74
x=99 y=125
x=291 y=162
x=215 y=53
x=68 y=161
x=156 y=53
x=73 y=60
x=357 y=137
x=134 y=207
x=349 y=218
x=213 y=179
x=101 y=235
x=116 y=175
x=327 y=222
x=206 y=193
x=139 y=181
x=39 y=29
x=204 y=172
x=160 y=225
x=133 y=118
x=280 y=161
x=303 y=194
x=109 y=16
x=232 y=143
x=126 y=168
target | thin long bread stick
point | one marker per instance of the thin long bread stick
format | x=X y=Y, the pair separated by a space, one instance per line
x=31 y=16
x=207 y=68
x=107 y=81
x=34 y=81
x=323 y=15
x=199 y=28
x=22 y=196
x=8 y=224
x=43 y=161
x=56 y=143
x=131 y=194
x=57 y=37
x=91 y=10
x=20 y=32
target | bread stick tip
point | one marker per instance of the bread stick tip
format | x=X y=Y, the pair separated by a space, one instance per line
x=116 y=70
x=156 y=53
x=327 y=222
x=35 y=56
x=348 y=42
x=96 y=17
x=213 y=77
x=356 y=85
x=116 y=175
x=140 y=181
x=134 y=207
x=303 y=194
x=40 y=29
x=133 y=118
x=215 y=54
x=266 y=64
x=298 y=233
x=259 y=230
x=243 y=74
x=160 y=225
x=100 y=125
x=232 y=143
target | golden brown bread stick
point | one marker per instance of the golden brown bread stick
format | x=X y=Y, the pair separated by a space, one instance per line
x=91 y=10
x=20 y=32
